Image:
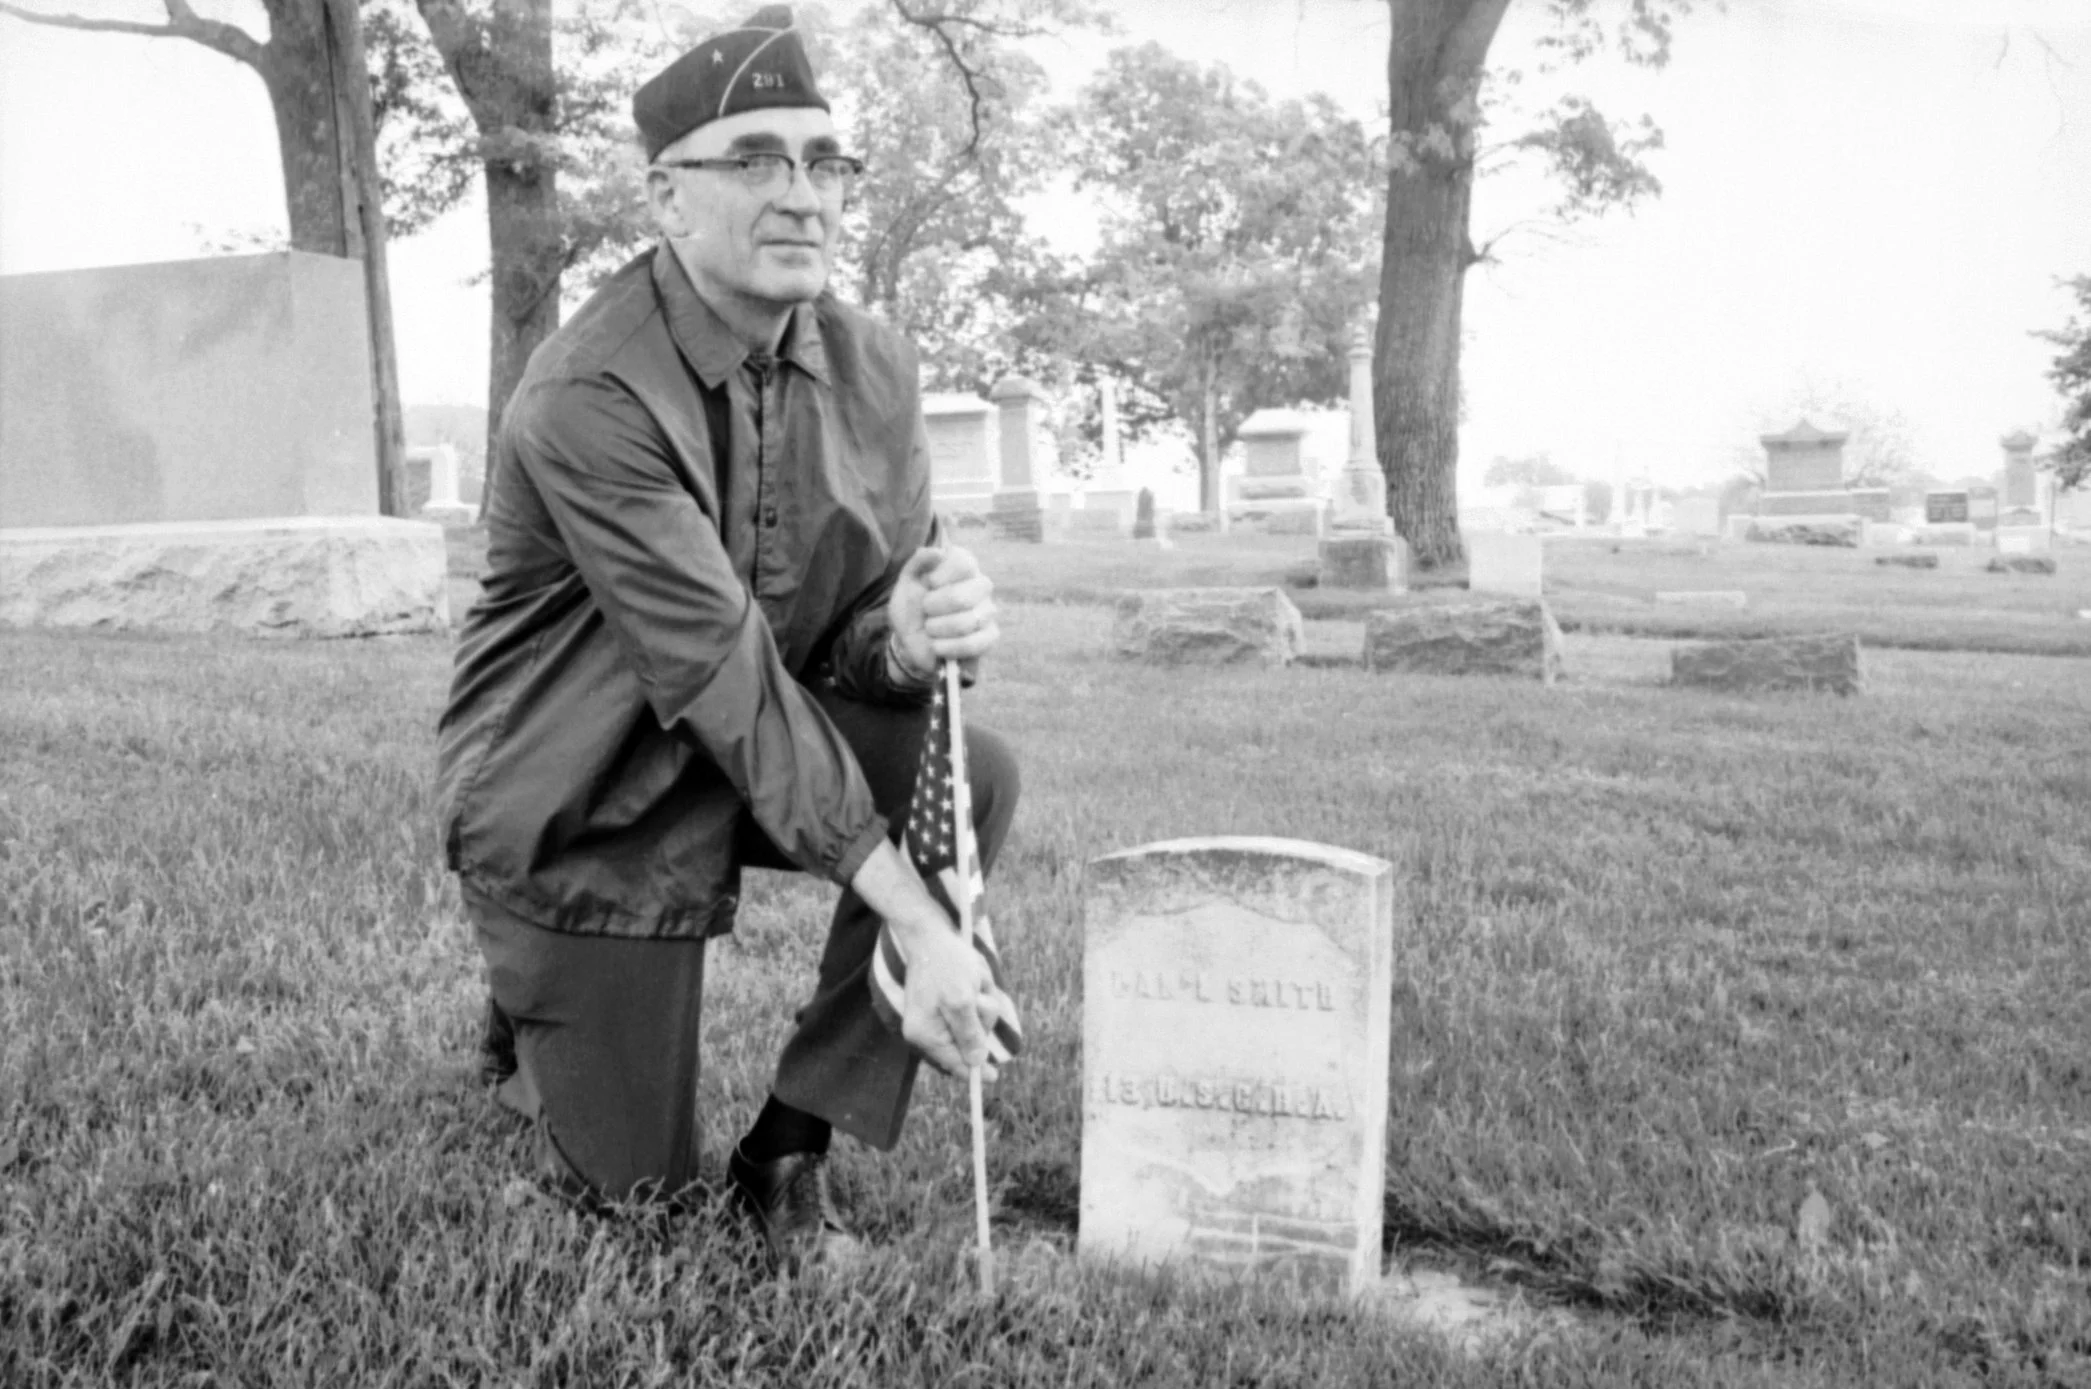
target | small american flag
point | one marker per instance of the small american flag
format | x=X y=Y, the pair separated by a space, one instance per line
x=938 y=838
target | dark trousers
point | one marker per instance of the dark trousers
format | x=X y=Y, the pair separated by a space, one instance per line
x=605 y=1030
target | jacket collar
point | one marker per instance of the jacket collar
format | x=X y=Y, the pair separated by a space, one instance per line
x=709 y=346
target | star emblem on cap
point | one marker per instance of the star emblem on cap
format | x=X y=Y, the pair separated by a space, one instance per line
x=718 y=58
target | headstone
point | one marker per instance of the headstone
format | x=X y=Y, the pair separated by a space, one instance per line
x=1506 y=564
x=1014 y=512
x=233 y=388
x=1273 y=492
x=1208 y=626
x=1703 y=598
x=1514 y=638
x=1916 y=561
x=1804 y=479
x=1772 y=664
x=1236 y=1022
x=1884 y=534
x=1871 y=503
x=429 y=486
x=1696 y=516
x=1982 y=508
x=1143 y=516
x=1109 y=494
x=1843 y=531
x=1374 y=563
x=961 y=453
x=2022 y=564
x=2023 y=499
x=1945 y=508
x=2021 y=540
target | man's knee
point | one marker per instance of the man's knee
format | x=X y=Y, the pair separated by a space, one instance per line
x=995 y=783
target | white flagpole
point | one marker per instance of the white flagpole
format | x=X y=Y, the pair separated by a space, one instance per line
x=962 y=817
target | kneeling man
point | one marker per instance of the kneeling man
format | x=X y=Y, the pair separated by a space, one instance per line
x=712 y=616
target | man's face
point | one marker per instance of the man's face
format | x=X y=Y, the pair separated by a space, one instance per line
x=770 y=245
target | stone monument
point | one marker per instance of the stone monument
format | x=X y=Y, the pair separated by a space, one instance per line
x=1236 y=1016
x=961 y=453
x=1274 y=493
x=1109 y=501
x=190 y=445
x=430 y=487
x=1361 y=550
x=1014 y=513
x=1804 y=496
x=2027 y=512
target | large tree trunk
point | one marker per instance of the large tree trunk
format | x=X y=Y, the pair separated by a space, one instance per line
x=297 y=70
x=1434 y=66
x=523 y=233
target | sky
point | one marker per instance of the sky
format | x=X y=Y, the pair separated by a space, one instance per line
x=1874 y=195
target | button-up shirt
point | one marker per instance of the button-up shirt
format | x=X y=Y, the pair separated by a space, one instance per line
x=631 y=689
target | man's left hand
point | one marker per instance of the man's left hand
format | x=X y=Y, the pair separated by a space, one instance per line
x=942 y=608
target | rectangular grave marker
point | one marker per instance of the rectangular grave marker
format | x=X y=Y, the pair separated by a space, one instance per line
x=1235 y=1016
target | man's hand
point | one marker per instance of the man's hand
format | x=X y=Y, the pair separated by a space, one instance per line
x=942 y=608
x=952 y=1002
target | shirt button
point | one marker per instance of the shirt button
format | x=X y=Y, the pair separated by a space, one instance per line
x=769 y=517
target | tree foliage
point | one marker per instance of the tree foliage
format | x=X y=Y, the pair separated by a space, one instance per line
x=2071 y=375
x=1236 y=248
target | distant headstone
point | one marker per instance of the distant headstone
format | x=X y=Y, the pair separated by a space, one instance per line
x=1505 y=564
x=1014 y=512
x=1844 y=531
x=1516 y=638
x=1358 y=504
x=2022 y=564
x=1274 y=493
x=1236 y=1020
x=1910 y=561
x=1773 y=664
x=1375 y=563
x=1804 y=475
x=1208 y=626
x=1143 y=516
x=1982 y=508
x=2023 y=540
x=2023 y=500
x=1703 y=598
x=1884 y=534
x=1943 y=508
x=961 y=453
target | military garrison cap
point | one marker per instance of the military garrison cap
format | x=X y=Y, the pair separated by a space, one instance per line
x=758 y=65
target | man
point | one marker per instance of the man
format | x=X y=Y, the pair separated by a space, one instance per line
x=710 y=626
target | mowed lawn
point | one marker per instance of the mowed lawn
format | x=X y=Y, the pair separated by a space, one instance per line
x=1668 y=962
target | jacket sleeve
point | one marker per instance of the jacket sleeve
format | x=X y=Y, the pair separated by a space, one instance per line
x=655 y=566
x=857 y=661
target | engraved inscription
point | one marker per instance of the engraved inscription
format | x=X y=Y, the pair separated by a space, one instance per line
x=1196 y=986
x=1274 y=1099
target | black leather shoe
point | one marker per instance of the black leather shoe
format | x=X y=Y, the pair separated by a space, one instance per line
x=790 y=1202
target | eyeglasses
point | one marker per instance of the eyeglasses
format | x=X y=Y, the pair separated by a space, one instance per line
x=766 y=173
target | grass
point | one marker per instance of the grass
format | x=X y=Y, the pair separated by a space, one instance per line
x=1668 y=962
x=1605 y=585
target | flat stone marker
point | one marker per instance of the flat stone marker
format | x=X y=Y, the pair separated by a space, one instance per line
x=1703 y=597
x=1922 y=561
x=1771 y=664
x=1236 y=999
x=1498 y=637
x=2021 y=564
x=1506 y=564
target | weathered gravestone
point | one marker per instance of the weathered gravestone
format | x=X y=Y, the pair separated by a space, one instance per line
x=1772 y=664
x=1208 y=626
x=1497 y=638
x=1498 y=562
x=2021 y=564
x=1917 y=561
x=1014 y=512
x=1236 y=1002
x=1143 y=515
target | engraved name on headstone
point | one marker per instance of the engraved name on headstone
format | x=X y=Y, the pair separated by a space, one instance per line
x=1236 y=1000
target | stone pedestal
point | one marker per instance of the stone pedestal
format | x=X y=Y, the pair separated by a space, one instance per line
x=1518 y=639
x=1376 y=563
x=1274 y=494
x=1208 y=626
x=304 y=576
x=1770 y=665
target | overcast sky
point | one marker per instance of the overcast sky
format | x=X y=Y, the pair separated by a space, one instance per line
x=1877 y=193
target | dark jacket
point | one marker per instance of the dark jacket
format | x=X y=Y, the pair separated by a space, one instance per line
x=631 y=688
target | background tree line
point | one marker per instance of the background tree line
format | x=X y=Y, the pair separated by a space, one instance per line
x=1241 y=237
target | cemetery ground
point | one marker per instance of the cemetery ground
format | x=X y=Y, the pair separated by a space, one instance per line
x=1736 y=1041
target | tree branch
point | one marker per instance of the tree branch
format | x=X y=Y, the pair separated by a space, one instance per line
x=182 y=23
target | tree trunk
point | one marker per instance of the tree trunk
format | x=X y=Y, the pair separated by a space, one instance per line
x=1209 y=455
x=297 y=70
x=528 y=260
x=1434 y=67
